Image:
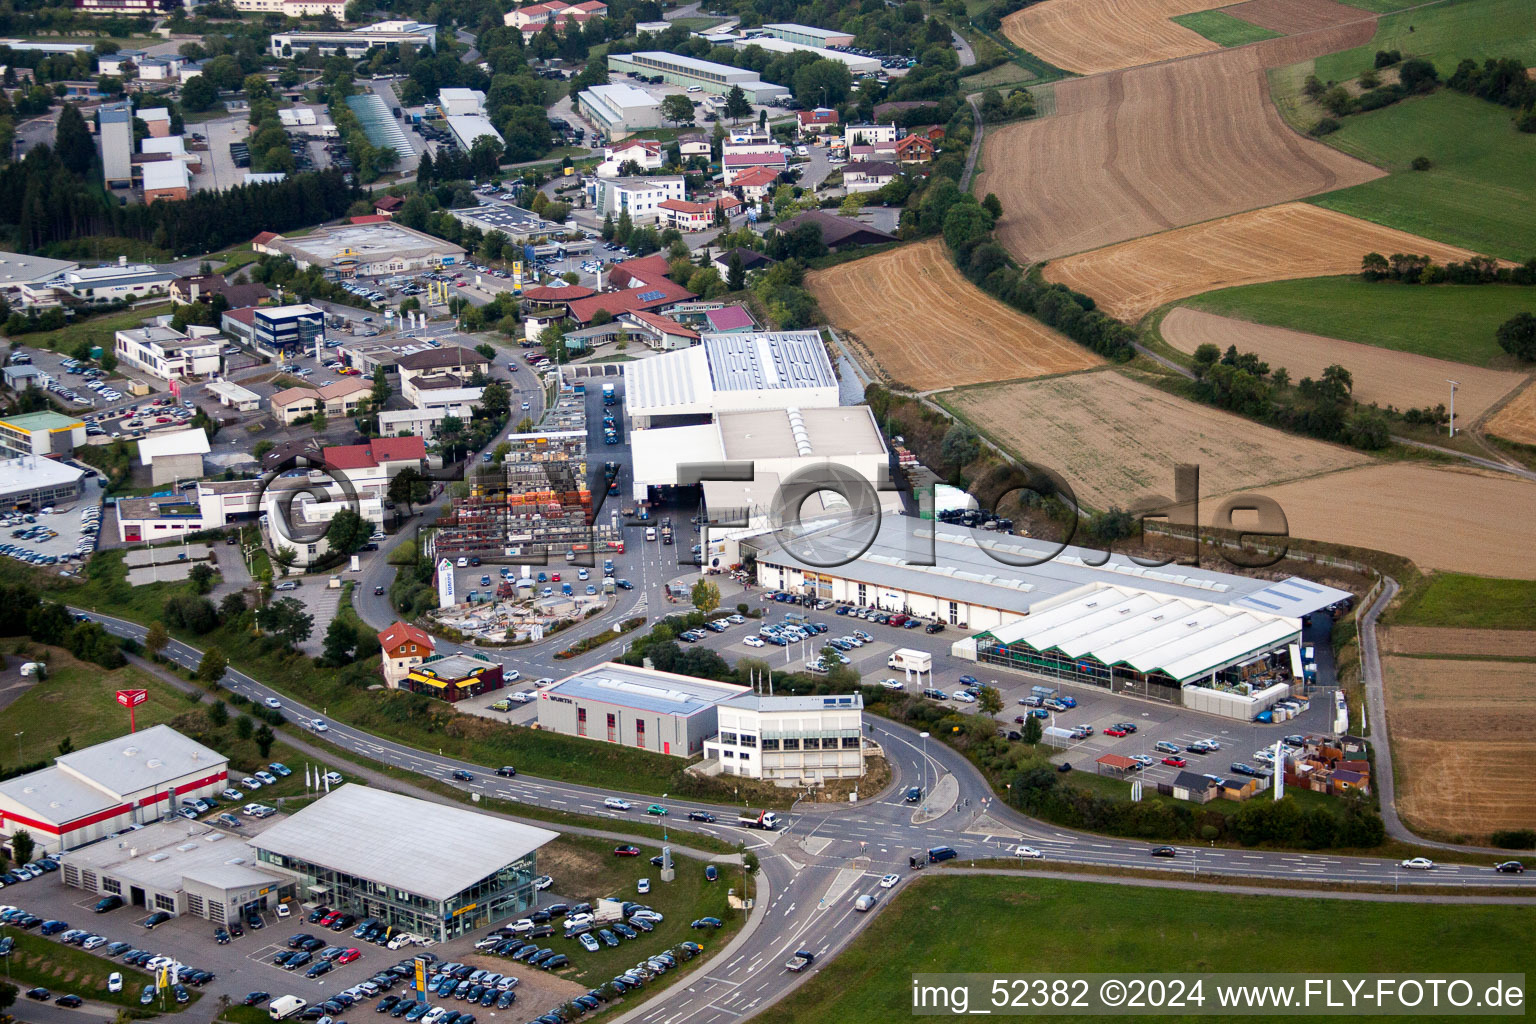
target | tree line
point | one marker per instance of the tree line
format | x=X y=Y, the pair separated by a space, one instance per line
x=1414 y=268
x=1501 y=80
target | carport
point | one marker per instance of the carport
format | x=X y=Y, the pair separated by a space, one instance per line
x=1115 y=764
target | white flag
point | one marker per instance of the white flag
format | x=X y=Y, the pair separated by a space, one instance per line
x=306 y=778
x=327 y=782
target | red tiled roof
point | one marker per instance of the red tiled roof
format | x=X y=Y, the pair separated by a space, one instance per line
x=265 y=237
x=642 y=269
x=370 y=218
x=756 y=176
x=400 y=632
x=753 y=159
x=820 y=116
x=246 y=316
x=540 y=293
x=368 y=456
x=388 y=203
x=664 y=324
x=629 y=301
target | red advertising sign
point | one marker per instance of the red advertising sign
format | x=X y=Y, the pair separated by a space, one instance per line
x=132 y=698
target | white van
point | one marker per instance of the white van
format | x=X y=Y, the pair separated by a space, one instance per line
x=284 y=1007
x=650 y=533
x=695 y=88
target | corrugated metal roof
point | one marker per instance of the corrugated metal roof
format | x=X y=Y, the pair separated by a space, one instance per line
x=645 y=690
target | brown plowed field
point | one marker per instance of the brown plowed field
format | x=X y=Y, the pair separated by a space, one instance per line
x=1460 y=520
x=927 y=327
x=1276 y=243
x=1507 y=643
x=1464 y=740
x=1292 y=16
x=1382 y=376
x=1116 y=440
x=1089 y=36
x=1140 y=151
x=1517 y=420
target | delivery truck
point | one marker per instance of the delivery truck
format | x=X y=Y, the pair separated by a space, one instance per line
x=909 y=660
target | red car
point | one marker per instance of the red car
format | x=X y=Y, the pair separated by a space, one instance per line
x=1018 y=719
x=1114 y=732
x=555 y=577
x=330 y=919
x=626 y=851
x=1177 y=762
x=348 y=956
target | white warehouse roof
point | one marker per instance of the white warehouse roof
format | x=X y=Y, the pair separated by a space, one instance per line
x=192 y=441
x=358 y=830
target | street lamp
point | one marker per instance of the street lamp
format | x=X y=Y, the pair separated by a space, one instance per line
x=924 y=737
x=18 y=749
x=1454 y=385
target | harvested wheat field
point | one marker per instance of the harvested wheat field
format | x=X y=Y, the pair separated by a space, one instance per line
x=1382 y=376
x=1460 y=520
x=1292 y=16
x=1464 y=740
x=1276 y=243
x=1090 y=36
x=1116 y=440
x=1141 y=151
x=927 y=327
x=1506 y=643
x=1517 y=420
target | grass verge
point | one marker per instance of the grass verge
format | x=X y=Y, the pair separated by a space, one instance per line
x=1057 y=926
x=65 y=970
x=98 y=330
x=77 y=703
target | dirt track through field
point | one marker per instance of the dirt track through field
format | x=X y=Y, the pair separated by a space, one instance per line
x=1463 y=741
x=1089 y=36
x=1402 y=379
x=1459 y=520
x=1292 y=16
x=1116 y=440
x=927 y=327
x=1140 y=151
x=1277 y=243
x=1517 y=420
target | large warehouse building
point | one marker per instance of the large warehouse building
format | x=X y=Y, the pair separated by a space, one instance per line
x=31 y=483
x=434 y=869
x=366 y=250
x=686 y=71
x=619 y=109
x=1212 y=641
x=857 y=65
x=638 y=707
x=92 y=793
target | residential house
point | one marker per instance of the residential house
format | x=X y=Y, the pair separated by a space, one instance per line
x=732 y=319
x=914 y=149
x=836 y=231
x=686 y=216
x=203 y=287
x=337 y=400
x=816 y=123
x=867 y=177
x=388 y=205
x=403 y=646
x=693 y=144
x=642 y=197
x=856 y=133
x=646 y=154
x=751 y=260
x=531 y=20
x=449 y=366
x=370 y=467
x=735 y=164
x=756 y=182
x=661 y=332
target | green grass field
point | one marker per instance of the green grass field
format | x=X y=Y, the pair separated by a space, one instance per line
x=1446 y=321
x=1380 y=6
x=98 y=330
x=1443 y=33
x=1036 y=925
x=1470 y=602
x=1479 y=192
x=1000 y=77
x=78 y=701
x=1223 y=29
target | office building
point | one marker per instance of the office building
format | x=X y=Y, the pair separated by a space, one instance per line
x=280 y=330
x=30 y=483
x=637 y=707
x=167 y=353
x=790 y=741
x=40 y=433
x=690 y=71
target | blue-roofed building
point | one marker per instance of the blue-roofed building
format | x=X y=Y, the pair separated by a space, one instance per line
x=638 y=707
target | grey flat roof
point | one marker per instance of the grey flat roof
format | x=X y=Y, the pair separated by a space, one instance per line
x=359 y=830
x=771 y=359
x=30 y=472
x=962 y=571
x=811 y=433
x=16 y=268
x=143 y=760
x=644 y=689
x=54 y=795
x=454 y=666
x=693 y=64
x=828 y=702
x=160 y=856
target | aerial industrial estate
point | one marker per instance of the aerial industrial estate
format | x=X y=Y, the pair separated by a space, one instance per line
x=718 y=512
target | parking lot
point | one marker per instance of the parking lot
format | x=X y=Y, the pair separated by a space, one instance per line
x=1096 y=708
x=64 y=535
